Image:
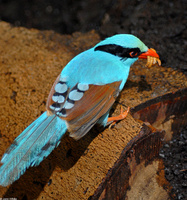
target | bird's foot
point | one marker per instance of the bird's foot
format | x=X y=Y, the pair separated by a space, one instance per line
x=123 y=115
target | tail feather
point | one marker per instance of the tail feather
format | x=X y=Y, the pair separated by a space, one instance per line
x=34 y=144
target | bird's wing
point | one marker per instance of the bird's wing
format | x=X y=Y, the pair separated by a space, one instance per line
x=81 y=106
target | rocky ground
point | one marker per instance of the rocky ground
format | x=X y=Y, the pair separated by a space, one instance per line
x=174 y=154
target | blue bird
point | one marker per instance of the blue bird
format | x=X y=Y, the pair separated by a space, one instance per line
x=81 y=96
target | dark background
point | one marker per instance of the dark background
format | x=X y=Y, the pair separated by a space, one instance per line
x=159 y=24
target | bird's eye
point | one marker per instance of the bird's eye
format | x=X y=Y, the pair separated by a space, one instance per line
x=133 y=54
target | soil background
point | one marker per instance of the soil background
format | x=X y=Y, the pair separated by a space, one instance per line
x=159 y=24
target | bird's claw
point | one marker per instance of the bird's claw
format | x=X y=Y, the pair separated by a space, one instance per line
x=123 y=115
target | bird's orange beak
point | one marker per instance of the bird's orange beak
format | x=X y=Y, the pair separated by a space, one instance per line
x=150 y=52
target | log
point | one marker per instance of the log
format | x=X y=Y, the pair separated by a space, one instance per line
x=139 y=171
x=134 y=174
x=168 y=112
x=30 y=62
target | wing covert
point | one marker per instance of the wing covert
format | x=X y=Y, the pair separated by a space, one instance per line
x=83 y=105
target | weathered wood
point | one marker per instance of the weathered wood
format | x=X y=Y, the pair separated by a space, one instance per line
x=139 y=170
x=130 y=170
x=168 y=112
x=30 y=62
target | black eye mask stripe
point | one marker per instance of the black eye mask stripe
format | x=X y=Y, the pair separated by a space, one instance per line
x=118 y=50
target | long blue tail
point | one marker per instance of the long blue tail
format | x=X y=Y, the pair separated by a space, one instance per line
x=34 y=144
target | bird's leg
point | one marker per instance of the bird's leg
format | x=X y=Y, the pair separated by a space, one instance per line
x=123 y=115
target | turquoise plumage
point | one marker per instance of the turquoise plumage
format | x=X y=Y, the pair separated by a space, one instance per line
x=81 y=96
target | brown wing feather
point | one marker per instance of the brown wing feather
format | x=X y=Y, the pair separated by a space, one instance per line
x=96 y=101
x=54 y=106
x=93 y=105
x=49 y=99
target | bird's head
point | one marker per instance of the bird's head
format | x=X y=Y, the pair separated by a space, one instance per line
x=126 y=46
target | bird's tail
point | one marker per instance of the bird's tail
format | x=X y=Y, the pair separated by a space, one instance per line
x=34 y=144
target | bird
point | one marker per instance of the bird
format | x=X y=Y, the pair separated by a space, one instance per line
x=81 y=96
